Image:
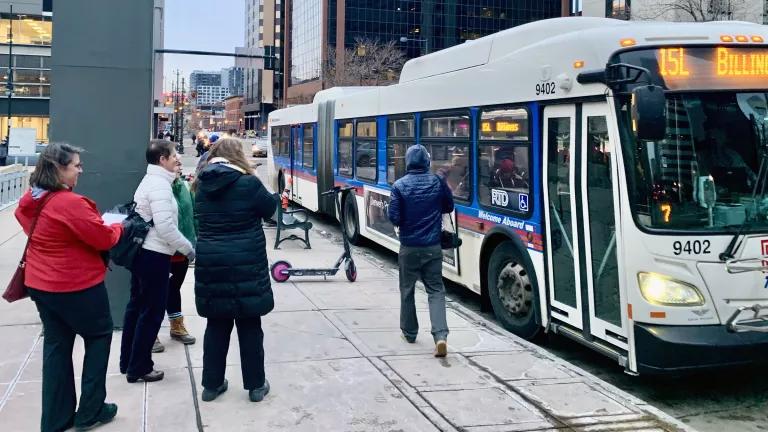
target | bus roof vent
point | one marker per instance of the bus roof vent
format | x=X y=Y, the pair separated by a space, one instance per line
x=489 y=48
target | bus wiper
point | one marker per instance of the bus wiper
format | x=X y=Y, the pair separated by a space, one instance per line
x=737 y=239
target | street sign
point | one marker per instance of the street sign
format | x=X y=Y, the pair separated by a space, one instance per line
x=22 y=142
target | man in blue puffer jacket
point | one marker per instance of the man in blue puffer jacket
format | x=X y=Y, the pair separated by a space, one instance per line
x=416 y=206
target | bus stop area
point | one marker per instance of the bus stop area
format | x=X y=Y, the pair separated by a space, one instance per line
x=336 y=362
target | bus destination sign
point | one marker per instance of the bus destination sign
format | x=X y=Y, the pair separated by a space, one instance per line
x=682 y=68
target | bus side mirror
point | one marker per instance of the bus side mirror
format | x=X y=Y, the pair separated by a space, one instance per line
x=649 y=113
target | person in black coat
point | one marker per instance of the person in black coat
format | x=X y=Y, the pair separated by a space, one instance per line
x=232 y=285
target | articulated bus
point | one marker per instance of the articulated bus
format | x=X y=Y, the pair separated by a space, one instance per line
x=609 y=179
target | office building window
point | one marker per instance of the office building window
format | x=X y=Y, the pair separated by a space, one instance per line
x=306 y=26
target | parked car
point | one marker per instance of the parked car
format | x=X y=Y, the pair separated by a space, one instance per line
x=259 y=147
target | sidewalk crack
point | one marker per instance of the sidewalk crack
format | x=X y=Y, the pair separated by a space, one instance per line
x=198 y=416
x=17 y=377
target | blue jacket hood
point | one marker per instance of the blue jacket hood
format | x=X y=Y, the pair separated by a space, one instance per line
x=417 y=159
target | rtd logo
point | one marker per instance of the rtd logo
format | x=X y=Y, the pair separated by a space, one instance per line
x=499 y=198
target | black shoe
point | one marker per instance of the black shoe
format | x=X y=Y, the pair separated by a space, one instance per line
x=153 y=376
x=211 y=394
x=409 y=339
x=106 y=415
x=258 y=394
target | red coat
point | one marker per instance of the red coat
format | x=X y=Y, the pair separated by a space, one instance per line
x=64 y=254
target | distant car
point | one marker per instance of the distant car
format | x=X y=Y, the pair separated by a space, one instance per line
x=259 y=147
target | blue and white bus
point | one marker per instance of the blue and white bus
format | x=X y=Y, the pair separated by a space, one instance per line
x=609 y=179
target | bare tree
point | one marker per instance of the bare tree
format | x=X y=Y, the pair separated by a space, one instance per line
x=693 y=10
x=368 y=62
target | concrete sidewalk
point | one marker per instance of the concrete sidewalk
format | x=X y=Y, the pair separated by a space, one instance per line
x=336 y=362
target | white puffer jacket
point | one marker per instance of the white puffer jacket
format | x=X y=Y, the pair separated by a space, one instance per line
x=154 y=201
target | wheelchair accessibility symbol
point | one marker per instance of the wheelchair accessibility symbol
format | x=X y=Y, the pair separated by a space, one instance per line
x=522 y=202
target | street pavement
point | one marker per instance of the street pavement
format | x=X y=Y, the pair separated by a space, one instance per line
x=336 y=362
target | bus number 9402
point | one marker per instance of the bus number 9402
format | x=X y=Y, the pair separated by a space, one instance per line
x=547 y=88
x=695 y=247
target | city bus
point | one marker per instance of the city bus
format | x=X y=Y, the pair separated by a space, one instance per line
x=609 y=179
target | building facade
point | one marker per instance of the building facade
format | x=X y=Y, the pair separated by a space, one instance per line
x=25 y=66
x=209 y=95
x=233 y=114
x=202 y=78
x=264 y=32
x=755 y=11
x=232 y=78
x=316 y=30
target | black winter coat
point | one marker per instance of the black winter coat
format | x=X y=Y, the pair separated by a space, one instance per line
x=418 y=201
x=231 y=270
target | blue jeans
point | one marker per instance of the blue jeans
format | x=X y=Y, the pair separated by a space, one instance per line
x=145 y=311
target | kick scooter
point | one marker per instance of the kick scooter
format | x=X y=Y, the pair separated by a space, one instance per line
x=282 y=270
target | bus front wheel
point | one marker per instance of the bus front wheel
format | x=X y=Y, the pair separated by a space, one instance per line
x=512 y=291
x=351 y=221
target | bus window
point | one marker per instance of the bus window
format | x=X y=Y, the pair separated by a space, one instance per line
x=309 y=149
x=400 y=136
x=602 y=225
x=283 y=145
x=275 y=140
x=365 y=150
x=503 y=159
x=345 y=149
x=503 y=176
x=446 y=137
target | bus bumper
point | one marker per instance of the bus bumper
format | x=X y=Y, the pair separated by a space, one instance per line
x=679 y=349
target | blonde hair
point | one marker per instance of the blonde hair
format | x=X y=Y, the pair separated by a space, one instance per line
x=231 y=149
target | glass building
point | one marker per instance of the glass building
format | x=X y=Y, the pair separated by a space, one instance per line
x=425 y=26
x=29 y=64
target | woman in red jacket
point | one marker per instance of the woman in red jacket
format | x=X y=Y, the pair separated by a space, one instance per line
x=65 y=275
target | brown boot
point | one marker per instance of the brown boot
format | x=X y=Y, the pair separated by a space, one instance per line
x=179 y=332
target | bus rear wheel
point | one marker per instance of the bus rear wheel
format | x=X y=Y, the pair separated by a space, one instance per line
x=512 y=291
x=351 y=221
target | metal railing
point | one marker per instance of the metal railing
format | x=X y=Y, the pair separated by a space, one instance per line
x=13 y=182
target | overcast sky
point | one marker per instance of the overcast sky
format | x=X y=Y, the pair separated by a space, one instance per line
x=204 y=25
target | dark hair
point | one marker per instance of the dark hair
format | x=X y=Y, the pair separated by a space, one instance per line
x=158 y=148
x=53 y=157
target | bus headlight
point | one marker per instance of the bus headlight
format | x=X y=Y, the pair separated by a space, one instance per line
x=662 y=290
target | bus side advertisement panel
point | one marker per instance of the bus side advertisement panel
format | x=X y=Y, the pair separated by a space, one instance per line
x=376 y=211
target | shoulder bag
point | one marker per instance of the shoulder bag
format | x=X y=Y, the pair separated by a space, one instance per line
x=16 y=290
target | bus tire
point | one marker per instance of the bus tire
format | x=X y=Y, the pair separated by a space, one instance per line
x=351 y=220
x=512 y=292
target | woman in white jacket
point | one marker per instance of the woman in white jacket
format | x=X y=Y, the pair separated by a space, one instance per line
x=149 y=277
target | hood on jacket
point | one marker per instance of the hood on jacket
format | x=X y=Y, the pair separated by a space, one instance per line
x=30 y=202
x=417 y=159
x=216 y=177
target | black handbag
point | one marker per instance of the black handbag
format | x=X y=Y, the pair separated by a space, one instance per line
x=450 y=239
x=135 y=230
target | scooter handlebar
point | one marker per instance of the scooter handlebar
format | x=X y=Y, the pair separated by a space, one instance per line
x=338 y=189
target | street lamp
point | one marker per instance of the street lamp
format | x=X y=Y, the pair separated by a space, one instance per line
x=404 y=39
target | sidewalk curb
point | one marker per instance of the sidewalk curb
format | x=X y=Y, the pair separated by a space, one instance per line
x=499 y=331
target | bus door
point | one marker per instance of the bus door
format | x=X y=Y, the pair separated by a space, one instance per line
x=581 y=228
x=295 y=162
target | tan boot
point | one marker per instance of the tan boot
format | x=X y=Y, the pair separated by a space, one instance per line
x=179 y=331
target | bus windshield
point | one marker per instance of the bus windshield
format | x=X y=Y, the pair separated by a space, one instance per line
x=703 y=176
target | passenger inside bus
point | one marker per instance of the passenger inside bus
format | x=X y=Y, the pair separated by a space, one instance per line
x=508 y=175
x=456 y=174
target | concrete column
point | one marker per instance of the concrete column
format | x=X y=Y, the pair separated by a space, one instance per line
x=101 y=99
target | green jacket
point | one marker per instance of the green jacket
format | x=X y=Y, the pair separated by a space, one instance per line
x=186 y=202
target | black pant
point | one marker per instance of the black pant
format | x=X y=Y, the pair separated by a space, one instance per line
x=145 y=311
x=178 y=274
x=216 y=344
x=64 y=315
